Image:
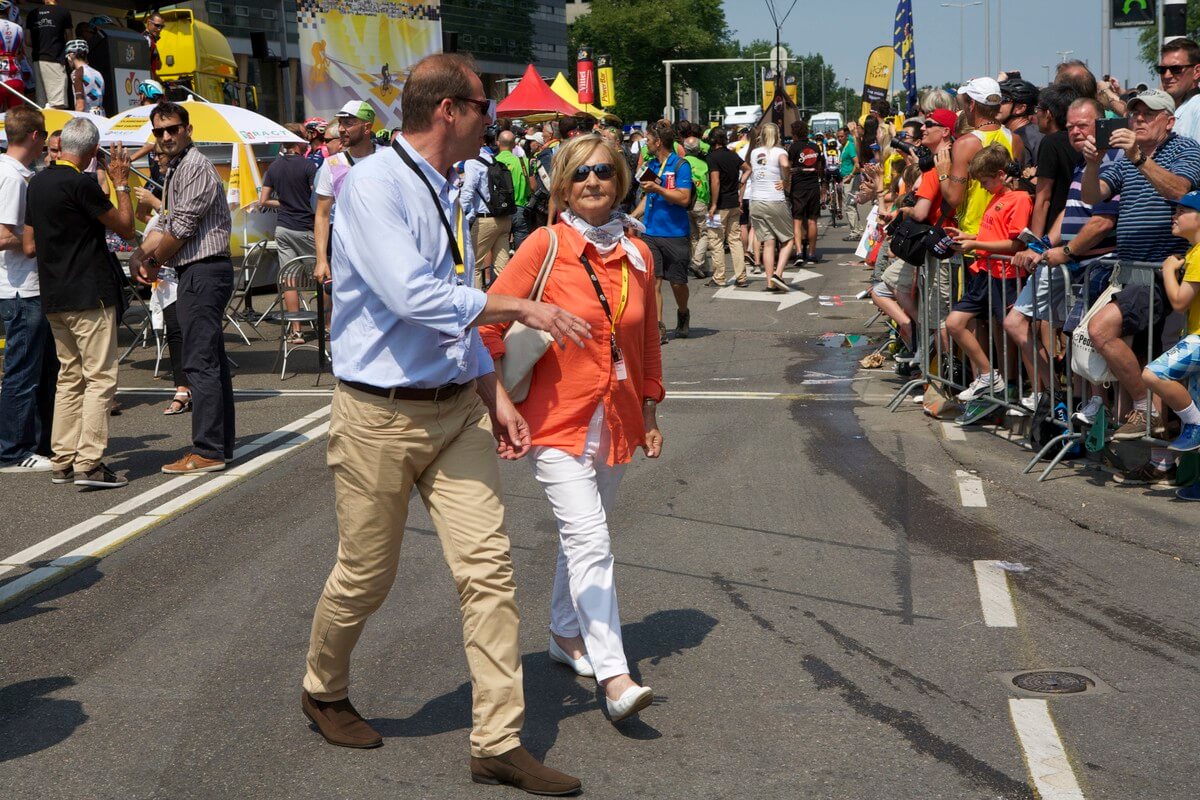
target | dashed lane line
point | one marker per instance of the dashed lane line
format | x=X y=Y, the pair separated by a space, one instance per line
x=38 y=579
x=1044 y=752
x=970 y=490
x=994 y=595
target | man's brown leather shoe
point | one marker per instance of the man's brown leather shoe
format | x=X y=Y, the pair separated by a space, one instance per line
x=519 y=768
x=339 y=723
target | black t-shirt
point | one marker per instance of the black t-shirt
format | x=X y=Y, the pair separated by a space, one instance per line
x=728 y=166
x=1057 y=161
x=74 y=266
x=49 y=28
x=291 y=180
x=1031 y=138
x=806 y=165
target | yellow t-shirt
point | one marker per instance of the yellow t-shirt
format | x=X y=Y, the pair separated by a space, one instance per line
x=1191 y=274
x=970 y=213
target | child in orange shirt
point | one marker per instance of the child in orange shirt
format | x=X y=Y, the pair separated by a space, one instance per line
x=1007 y=214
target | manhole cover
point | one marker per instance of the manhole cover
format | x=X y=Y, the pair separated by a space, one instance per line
x=1049 y=682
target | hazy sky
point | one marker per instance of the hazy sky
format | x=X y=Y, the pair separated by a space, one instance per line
x=845 y=31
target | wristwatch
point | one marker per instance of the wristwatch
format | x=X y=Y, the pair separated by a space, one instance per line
x=1141 y=159
x=1067 y=250
x=150 y=261
x=124 y=189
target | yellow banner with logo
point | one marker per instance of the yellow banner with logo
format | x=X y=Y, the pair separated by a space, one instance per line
x=880 y=65
x=604 y=77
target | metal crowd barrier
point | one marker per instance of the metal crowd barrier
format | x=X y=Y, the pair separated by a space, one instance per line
x=935 y=281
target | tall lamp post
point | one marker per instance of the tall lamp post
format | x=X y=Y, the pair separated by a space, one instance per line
x=846 y=98
x=962 y=35
x=738 y=82
x=1062 y=55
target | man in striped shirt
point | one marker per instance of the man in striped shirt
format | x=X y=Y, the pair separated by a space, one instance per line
x=192 y=236
x=1159 y=166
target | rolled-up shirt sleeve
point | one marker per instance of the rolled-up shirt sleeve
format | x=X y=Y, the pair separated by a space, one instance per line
x=393 y=265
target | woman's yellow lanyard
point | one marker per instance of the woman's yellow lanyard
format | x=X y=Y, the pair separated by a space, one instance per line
x=613 y=319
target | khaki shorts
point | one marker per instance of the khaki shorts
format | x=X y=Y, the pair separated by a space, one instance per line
x=901 y=276
x=771 y=219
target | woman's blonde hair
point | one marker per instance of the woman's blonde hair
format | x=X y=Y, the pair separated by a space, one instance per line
x=768 y=135
x=573 y=154
x=934 y=99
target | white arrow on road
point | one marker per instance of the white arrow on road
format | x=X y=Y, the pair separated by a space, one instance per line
x=799 y=276
x=788 y=300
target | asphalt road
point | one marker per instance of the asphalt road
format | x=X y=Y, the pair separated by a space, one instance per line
x=807 y=582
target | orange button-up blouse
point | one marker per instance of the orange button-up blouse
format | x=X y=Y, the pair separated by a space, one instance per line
x=567 y=385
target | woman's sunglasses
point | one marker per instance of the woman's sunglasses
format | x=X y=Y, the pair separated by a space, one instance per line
x=603 y=171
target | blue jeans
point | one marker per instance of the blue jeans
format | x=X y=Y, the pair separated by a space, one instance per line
x=520 y=228
x=30 y=373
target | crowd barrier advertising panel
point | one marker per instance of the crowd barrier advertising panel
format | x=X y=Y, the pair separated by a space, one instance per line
x=361 y=50
x=878 y=79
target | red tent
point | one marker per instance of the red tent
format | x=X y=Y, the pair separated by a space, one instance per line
x=533 y=96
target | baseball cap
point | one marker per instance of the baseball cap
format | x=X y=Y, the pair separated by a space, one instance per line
x=1190 y=200
x=943 y=117
x=1155 y=100
x=358 y=109
x=535 y=137
x=982 y=90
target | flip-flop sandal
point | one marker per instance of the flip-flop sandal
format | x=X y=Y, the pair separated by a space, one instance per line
x=180 y=404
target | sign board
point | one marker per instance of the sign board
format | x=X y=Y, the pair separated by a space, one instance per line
x=1134 y=13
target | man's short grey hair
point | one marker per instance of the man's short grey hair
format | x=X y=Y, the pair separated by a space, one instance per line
x=80 y=137
x=934 y=99
x=691 y=145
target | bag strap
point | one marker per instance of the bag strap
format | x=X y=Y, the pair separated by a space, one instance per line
x=543 y=276
x=407 y=159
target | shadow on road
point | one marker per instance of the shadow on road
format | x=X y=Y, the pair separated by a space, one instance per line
x=36 y=605
x=36 y=722
x=553 y=693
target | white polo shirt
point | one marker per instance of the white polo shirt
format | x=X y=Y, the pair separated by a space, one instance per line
x=1187 y=118
x=18 y=273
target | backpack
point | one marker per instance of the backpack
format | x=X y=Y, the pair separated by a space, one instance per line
x=699 y=179
x=503 y=202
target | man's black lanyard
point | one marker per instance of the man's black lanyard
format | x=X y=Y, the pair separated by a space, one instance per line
x=454 y=251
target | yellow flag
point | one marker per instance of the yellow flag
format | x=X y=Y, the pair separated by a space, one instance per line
x=878 y=80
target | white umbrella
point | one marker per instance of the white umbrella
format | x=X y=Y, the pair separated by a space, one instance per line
x=211 y=122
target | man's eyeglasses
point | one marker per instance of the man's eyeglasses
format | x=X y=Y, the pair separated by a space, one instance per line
x=603 y=171
x=1175 y=69
x=485 y=107
x=331 y=138
x=168 y=130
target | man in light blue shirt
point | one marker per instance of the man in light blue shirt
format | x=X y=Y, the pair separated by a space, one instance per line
x=415 y=407
x=489 y=233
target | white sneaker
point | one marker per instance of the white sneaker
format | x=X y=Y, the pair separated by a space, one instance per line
x=582 y=666
x=1087 y=414
x=1031 y=402
x=980 y=385
x=31 y=463
x=631 y=701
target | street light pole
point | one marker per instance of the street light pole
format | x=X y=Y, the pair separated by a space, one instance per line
x=738 y=82
x=1062 y=55
x=1047 y=66
x=962 y=35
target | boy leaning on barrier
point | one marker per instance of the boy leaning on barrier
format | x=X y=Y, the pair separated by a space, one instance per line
x=1175 y=375
x=995 y=282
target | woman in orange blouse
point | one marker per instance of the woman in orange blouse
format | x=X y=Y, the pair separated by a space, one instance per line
x=589 y=409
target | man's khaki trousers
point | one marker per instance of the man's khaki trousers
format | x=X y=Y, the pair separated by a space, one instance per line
x=727 y=234
x=379 y=449
x=490 y=235
x=86 y=343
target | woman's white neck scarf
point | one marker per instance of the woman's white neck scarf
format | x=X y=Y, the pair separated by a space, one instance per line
x=606 y=237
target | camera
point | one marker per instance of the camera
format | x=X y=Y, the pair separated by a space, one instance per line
x=903 y=146
x=924 y=157
x=1012 y=169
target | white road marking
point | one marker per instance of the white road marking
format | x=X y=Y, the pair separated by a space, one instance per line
x=953 y=432
x=970 y=490
x=994 y=595
x=1044 y=752
x=313 y=392
x=717 y=395
x=782 y=301
x=61 y=567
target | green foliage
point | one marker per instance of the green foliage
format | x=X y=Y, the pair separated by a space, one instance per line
x=641 y=34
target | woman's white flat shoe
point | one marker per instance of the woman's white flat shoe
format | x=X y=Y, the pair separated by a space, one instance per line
x=582 y=666
x=631 y=701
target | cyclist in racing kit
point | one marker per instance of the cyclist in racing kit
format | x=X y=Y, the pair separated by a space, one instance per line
x=86 y=82
x=15 y=71
x=833 y=181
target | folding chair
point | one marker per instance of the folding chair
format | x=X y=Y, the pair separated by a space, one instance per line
x=295 y=276
x=243 y=283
